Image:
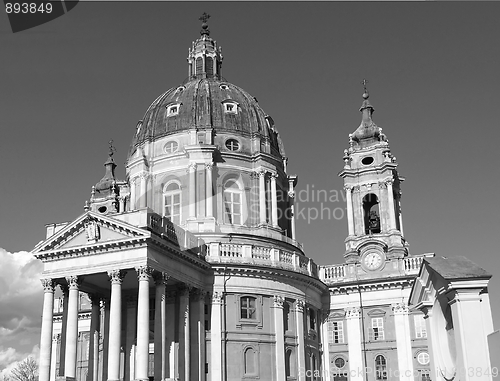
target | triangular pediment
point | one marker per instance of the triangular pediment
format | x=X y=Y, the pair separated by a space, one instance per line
x=88 y=230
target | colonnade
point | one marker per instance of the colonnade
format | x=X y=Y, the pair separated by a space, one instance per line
x=172 y=359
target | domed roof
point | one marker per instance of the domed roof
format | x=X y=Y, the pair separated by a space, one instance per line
x=205 y=100
x=202 y=103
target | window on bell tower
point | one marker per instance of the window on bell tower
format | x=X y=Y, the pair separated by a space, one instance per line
x=232 y=203
x=371 y=214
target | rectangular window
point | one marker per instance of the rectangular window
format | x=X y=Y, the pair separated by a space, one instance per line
x=336 y=332
x=173 y=207
x=377 y=329
x=420 y=327
x=312 y=319
x=233 y=207
x=425 y=374
x=248 y=308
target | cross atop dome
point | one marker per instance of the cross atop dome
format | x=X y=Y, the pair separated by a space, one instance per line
x=204 y=18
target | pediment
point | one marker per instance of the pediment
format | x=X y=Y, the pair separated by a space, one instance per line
x=88 y=230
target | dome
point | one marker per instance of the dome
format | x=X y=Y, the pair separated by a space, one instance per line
x=204 y=103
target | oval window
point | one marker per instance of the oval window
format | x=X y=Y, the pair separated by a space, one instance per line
x=102 y=209
x=171 y=146
x=232 y=145
x=367 y=160
x=339 y=362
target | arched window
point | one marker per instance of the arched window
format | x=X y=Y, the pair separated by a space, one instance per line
x=312 y=319
x=250 y=362
x=199 y=65
x=172 y=202
x=371 y=214
x=287 y=323
x=380 y=368
x=232 y=202
x=289 y=363
x=209 y=64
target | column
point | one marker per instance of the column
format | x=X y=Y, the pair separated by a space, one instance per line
x=144 y=190
x=291 y=195
x=385 y=218
x=72 y=327
x=350 y=220
x=93 y=367
x=184 y=334
x=46 y=331
x=192 y=190
x=324 y=341
x=56 y=339
x=262 y=197
x=130 y=333
x=141 y=371
x=301 y=344
x=403 y=341
x=132 y=200
x=279 y=331
x=103 y=369
x=353 y=315
x=121 y=201
x=197 y=335
x=160 y=325
x=359 y=226
x=274 y=201
x=171 y=329
x=209 y=189
x=64 y=328
x=390 y=201
x=115 y=324
x=216 y=337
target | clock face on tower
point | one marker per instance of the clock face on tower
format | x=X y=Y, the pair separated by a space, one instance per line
x=373 y=260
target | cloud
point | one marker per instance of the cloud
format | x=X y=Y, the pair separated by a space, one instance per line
x=21 y=300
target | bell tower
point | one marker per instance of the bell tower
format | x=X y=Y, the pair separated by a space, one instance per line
x=372 y=185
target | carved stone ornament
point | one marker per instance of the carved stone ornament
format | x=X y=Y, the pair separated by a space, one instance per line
x=48 y=285
x=198 y=294
x=92 y=231
x=291 y=194
x=278 y=301
x=116 y=276
x=400 y=308
x=74 y=282
x=352 y=312
x=160 y=277
x=144 y=272
x=299 y=305
x=217 y=297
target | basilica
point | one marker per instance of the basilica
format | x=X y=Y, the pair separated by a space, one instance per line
x=189 y=269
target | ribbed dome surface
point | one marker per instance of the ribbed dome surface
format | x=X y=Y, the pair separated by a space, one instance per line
x=201 y=104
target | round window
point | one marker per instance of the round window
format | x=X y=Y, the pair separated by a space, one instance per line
x=367 y=160
x=339 y=362
x=171 y=146
x=423 y=358
x=223 y=87
x=102 y=209
x=232 y=145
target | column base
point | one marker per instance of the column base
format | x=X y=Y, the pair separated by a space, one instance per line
x=65 y=378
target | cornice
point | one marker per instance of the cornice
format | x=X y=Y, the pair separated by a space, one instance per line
x=372 y=285
x=267 y=272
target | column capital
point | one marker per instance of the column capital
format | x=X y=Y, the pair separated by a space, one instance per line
x=389 y=181
x=184 y=289
x=217 y=297
x=352 y=312
x=192 y=167
x=48 y=285
x=160 y=277
x=116 y=276
x=400 y=309
x=144 y=176
x=143 y=272
x=74 y=282
x=300 y=305
x=278 y=301
x=209 y=166
x=356 y=188
x=382 y=185
x=261 y=172
x=273 y=175
x=198 y=294
x=348 y=187
x=291 y=194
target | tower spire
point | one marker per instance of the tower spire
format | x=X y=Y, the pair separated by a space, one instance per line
x=204 y=26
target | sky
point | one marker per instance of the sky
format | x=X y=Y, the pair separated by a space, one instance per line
x=69 y=86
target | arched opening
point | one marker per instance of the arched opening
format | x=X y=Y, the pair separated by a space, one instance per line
x=250 y=365
x=209 y=66
x=380 y=368
x=232 y=202
x=199 y=66
x=172 y=202
x=289 y=363
x=371 y=214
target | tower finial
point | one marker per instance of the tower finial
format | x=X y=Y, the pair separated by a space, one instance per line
x=112 y=148
x=204 y=26
x=365 y=90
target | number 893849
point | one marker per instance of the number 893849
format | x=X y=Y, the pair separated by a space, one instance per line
x=28 y=8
